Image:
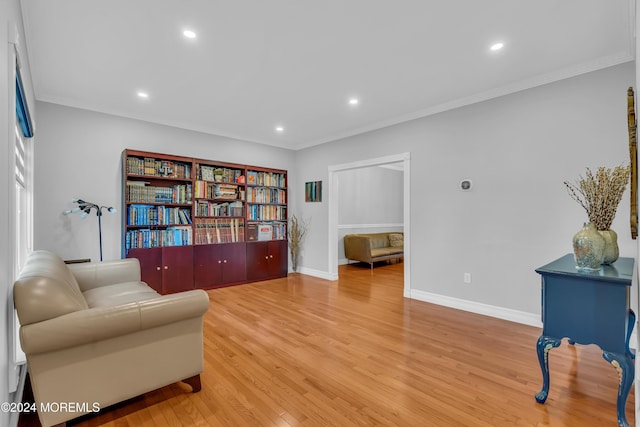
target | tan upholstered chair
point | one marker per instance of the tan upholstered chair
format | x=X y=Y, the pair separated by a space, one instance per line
x=95 y=335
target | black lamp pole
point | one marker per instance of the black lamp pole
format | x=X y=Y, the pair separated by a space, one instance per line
x=85 y=208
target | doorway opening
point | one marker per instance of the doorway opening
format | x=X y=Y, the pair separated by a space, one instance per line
x=333 y=206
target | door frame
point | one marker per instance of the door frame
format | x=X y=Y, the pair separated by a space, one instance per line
x=405 y=158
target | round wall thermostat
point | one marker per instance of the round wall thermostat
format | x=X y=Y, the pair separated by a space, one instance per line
x=465 y=184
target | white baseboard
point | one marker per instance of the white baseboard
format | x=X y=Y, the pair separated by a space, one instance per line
x=479 y=308
x=317 y=273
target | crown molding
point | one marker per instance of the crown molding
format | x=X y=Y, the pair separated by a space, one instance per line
x=539 y=80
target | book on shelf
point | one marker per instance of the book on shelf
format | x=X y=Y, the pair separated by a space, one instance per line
x=279 y=230
x=266 y=195
x=268 y=179
x=276 y=230
x=207 y=190
x=252 y=232
x=218 y=174
x=267 y=212
x=157 y=215
x=154 y=238
x=209 y=208
x=265 y=232
x=149 y=166
x=219 y=230
x=140 y=191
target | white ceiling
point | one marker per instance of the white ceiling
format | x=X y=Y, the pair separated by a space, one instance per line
x=256 y=64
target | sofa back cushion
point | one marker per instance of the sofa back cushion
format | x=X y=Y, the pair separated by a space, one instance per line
x=396 y=239
x=45 y=289
x=377 y=240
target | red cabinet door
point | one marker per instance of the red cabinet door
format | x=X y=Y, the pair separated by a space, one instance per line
x=278 y=260
x=177 y=269
x=150 y=266
x=267 y=260
x=234 y=263
x=257 y=261
x=219 y=265
x=207 y=271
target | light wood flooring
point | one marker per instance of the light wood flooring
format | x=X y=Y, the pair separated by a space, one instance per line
x=302 y=351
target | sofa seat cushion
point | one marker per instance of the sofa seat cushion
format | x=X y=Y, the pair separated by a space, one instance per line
x=380 y=252
x=118 y=294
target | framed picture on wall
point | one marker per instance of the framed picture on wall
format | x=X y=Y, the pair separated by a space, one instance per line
x=313 y=191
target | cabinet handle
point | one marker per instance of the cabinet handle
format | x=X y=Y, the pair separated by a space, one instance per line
x=266 y=257
x=270 y=256
x=219 y=262
x=166 y=267
x=225 y=261
x=158 y=268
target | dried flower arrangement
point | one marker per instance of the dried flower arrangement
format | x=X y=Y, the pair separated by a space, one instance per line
x=297 y=231
x=600 y=194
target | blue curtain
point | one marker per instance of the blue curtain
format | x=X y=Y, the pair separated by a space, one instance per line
x=22 y=109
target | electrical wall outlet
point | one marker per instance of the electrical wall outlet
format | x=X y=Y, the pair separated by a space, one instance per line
x=467 y=277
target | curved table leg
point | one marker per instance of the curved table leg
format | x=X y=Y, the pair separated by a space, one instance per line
x=630 y=324
x=544 y=345
x=626 y=371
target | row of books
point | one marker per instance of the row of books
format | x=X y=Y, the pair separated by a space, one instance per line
x=172 y=236
x=140 y=191
x=206 y=190
x=266 y=212
x=269 y=179
x=149 y=166
x=157 y=215
x=266 y=231
x=218 y=174
x=266 y=195
x=207 y=208
x=210 y=231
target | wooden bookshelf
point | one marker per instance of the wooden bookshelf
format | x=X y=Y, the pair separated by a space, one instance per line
x=231 y=220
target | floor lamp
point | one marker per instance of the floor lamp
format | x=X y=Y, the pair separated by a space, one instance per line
x=85 y=209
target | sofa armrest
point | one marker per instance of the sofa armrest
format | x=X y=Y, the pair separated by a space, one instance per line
x=357 y=247
x=96 y=274
x=97 y=324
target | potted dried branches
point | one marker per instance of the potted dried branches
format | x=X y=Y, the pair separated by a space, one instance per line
x=599 y=194
x=297 y=231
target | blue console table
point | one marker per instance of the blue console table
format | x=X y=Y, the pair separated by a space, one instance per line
x=588 y=307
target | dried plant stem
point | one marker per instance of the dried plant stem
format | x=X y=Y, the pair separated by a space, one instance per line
x=600 y=194
x=297 y=231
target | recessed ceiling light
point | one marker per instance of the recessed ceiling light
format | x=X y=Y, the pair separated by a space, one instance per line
x=142 y=94
x=497 y=46
x=279 y=129
x=354 y=101
x=189 y=34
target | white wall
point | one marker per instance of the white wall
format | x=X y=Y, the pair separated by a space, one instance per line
x=518 y=149
x=6 y=272
x=371 y=195
x=370 y=200
x=78 y=155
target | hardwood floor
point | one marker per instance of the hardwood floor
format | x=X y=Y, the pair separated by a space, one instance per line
x=303 y=351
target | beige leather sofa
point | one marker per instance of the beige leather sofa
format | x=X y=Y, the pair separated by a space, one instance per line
x=374 y=247
x=95 y=335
